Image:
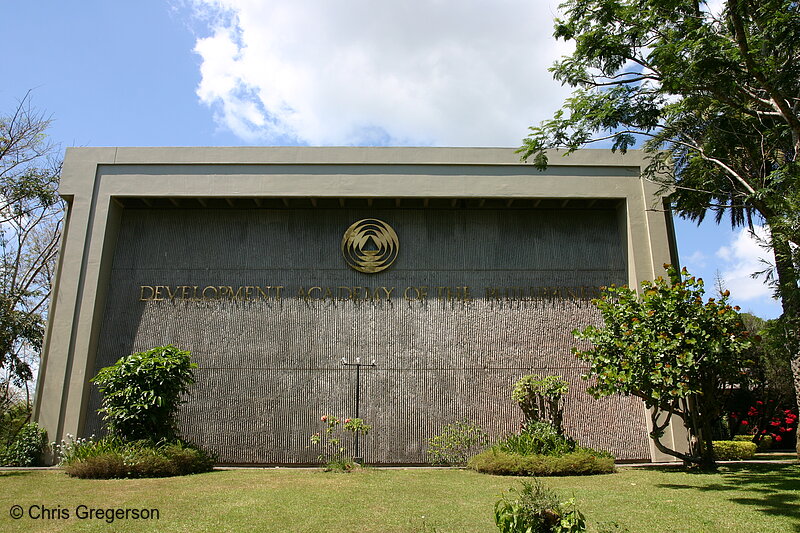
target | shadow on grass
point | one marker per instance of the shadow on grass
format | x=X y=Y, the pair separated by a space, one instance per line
x=778 y=487
x=12 y=473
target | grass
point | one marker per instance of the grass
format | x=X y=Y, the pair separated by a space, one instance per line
x=761 y=497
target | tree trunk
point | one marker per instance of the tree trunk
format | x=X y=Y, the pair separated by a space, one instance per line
x=790 y=299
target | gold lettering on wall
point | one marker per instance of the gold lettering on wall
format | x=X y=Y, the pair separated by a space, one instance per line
x=342 y=293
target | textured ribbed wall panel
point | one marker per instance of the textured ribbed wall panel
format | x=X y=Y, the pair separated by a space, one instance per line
x=269 y=369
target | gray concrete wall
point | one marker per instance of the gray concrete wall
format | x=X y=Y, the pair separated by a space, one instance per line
x=270 y=368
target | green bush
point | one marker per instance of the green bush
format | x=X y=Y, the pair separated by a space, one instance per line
x=188 y=459
x=536 y=509
x=27 y=448
x=763 y=445
x=537 y=438
x=541 y=398
x=112 y=457
x=13 y=417
x=102 y=466
x=732 y=450
x=142 y=392
x=577 y=463
x=456 y=443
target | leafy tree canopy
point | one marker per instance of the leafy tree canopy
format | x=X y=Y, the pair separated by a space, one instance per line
x=673 y=350
x=30 y=218
x=712 y=90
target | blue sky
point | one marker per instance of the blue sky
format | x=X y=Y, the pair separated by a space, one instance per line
x=353 y=72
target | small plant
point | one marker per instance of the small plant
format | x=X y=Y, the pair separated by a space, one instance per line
x=142 y=392
x=538 y=438
x=456 y=443
x=536 y=509
x=541 y=398
x=334 y=452
x=27 y=448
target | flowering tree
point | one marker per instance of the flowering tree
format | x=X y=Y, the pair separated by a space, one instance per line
x=762 y=420
x=673 y=350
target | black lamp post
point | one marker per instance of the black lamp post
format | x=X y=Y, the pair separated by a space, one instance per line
x=358 y=364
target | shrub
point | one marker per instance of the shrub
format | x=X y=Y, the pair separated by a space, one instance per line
x=536 y=509
x=456 y=443
x=540 y=398
x=577 y=463
x=142 y=392
x=27 y=448
x=537 y=438
x=731 y=450
x=102 y=466
x=763 y=445
x=112 y=457
x=188 y=459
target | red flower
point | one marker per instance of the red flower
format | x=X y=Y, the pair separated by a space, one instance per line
x=775 y=423
x=347 y=420
x=745 y=422
x=777 y=438
x=752 y=412
x=324 y=418
x=763 y=431
x=789 y=421
x=759 y=403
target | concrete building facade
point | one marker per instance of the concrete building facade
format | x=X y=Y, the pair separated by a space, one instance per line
x=457 y=271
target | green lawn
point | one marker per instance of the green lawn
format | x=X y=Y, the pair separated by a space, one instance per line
x=756 y=497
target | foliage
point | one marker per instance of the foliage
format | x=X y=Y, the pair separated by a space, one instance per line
x=334 y=452
x=27 y=448
x=142 y=392
x=764 y=421
x=30 y=218
x=114 y=457
x=671 y=349
x=13 y=418
x=581 y=462
x=541 y=398
x=761 y=405
x=536 y=509
x=456 y=443
x=712 y=90
x=537 y=438
x=763 y=444
x=731 y=450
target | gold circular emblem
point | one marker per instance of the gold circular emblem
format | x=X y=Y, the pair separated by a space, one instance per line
x=370 y=245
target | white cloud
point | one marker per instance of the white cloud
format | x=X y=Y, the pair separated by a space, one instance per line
x=696 y=261
x=741 y=258
x=362 y=72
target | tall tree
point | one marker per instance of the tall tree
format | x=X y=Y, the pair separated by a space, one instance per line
x=713 y=95
x=30 y=217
